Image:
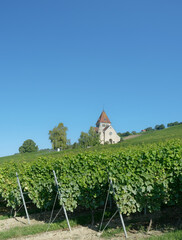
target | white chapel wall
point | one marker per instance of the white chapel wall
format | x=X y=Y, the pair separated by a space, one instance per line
x=110 y=133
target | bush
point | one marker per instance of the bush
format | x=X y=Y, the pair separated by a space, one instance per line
x=125 y=134
x=173 y=124
x=159 y=127
x=149 y=129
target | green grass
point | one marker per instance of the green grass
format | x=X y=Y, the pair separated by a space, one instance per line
x=81 y=219
x=110 y=233
x=36 y=155
x=176 y=235
x=163 y=221
x=32 y=229
x=4 y=217
x=156 y=136
x=25 y=156
x=40 y=228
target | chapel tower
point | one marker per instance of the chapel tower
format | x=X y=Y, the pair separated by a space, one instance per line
x=106 y=131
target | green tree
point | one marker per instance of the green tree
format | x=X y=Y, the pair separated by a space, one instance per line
x=149 y=129
x=83 y=141
x=125 y=134
x=58 y=137
x=94 y=137
x=91 y=138
x=75 y=145
x=159 y=127
x=28 y=146
x=173 y=124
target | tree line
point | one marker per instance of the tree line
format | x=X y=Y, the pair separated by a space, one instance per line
x=59 y=141
x=162 y=126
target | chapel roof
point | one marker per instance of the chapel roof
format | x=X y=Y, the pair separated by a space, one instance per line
x=106 y=128
x=103 y=118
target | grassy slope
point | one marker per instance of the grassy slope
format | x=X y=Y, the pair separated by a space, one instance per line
x=156 y=136
x=151 y=137
x=35 y=155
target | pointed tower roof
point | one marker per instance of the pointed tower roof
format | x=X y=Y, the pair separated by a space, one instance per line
x=103 y=118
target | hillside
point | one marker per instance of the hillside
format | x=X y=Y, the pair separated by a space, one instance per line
x=144 y=138
x=137 y=171
x=156 y=136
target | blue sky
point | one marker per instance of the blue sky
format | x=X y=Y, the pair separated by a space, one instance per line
x=63 y=61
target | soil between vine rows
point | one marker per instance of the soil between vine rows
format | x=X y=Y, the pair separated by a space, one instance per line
x=77 y=233
x=84 y=233
x=166 y=220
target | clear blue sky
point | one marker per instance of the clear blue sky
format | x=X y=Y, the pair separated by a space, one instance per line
x=63 y=60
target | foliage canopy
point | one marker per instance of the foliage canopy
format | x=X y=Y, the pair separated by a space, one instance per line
x=28 y=146
x=143 y=176
x=89 y=139
x=159 y=127
x=58 y=136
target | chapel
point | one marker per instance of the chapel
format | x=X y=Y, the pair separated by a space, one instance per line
x=105 y=130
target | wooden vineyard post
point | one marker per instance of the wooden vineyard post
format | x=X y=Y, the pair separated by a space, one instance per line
x=21 y=193
x=65 y=213
x=121 y=217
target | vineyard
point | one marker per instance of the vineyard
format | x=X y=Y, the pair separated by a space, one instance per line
x=144 y=177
